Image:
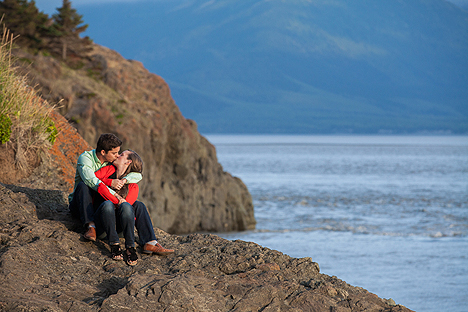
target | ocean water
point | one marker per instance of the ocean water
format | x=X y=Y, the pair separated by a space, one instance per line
x=386 y=213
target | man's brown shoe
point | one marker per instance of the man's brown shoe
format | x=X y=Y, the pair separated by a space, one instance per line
x=157 y=249
x=90 y=234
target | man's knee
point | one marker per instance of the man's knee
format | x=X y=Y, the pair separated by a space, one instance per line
x=83 y=194
x=82 y=187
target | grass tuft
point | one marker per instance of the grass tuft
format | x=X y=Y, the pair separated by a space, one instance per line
x=24 y=116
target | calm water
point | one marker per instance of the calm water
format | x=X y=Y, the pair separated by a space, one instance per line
x=387 y=213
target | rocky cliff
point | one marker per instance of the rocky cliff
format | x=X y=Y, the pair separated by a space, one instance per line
x=184 y=186
x=45 y=266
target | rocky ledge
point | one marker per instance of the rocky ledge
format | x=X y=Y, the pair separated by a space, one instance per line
x=184 y=186
x=46 y=266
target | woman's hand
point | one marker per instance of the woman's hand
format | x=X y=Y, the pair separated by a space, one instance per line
x=117 y=184
x=121 y=199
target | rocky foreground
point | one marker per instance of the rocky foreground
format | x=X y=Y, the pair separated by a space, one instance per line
x=46 y=266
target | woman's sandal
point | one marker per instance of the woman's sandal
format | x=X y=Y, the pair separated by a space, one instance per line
x=132 y=256
x=116 y=252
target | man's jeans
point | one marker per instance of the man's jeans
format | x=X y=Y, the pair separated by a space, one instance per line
x=124 y=219
x=81 y=205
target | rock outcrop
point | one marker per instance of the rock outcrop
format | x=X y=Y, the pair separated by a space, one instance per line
x=184 y=186
x=45 y=266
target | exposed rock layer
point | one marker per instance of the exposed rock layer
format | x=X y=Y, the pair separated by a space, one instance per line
x=46 y=266
x=184 y=186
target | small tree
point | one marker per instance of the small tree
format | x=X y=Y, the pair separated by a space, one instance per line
x=24 y=19
x=66 y=25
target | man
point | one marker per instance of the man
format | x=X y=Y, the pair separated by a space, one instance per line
x=86 y=182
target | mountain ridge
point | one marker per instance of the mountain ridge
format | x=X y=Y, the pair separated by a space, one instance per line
x=229 y=61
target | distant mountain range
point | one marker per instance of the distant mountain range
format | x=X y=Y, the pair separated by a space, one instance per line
x=299 y=66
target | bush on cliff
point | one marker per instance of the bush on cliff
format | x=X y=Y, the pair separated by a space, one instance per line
x=25 y=117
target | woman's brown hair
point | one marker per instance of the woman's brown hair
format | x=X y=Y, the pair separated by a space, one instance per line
x=135 y=166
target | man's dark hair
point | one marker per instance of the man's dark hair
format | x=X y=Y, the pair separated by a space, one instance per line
x=107 y=141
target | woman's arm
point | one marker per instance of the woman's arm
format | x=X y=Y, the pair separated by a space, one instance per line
x=103 y=174
x=103 y=190
x=131 y=196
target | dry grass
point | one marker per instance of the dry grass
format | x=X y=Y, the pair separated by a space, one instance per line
x=32 y=129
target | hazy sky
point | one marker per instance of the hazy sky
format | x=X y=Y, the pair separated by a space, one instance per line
x=49 y=6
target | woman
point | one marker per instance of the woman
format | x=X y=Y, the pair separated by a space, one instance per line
x=121 y=212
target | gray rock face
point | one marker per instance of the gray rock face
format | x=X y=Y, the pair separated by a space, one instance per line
x=46 y=266
x=185 y=188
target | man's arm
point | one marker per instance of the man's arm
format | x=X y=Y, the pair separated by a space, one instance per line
x=86 y=167
x=133 y=177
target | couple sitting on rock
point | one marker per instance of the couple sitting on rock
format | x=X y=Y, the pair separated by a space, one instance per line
x=104 y=199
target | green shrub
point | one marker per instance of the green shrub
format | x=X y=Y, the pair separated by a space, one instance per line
x=5 y=128
x=52 y=131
